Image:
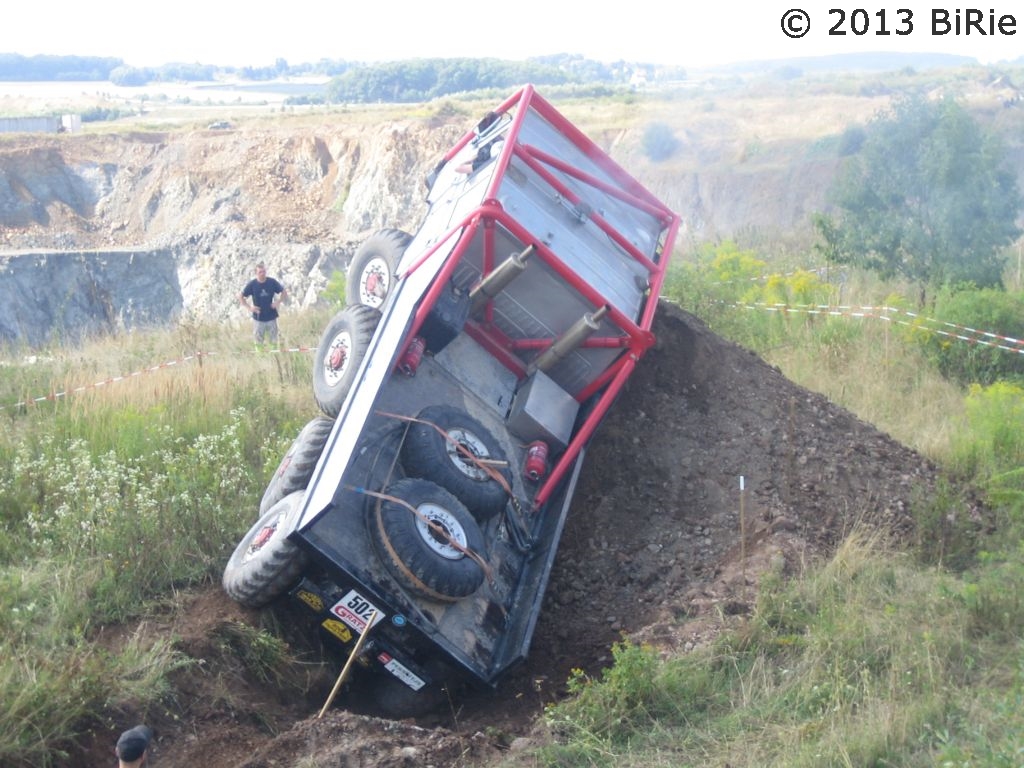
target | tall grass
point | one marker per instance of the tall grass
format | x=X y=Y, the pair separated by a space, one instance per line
x=868 y=661
x=114 y=495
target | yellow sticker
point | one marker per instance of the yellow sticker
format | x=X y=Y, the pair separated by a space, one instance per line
x=338 y=629
x=311 y=599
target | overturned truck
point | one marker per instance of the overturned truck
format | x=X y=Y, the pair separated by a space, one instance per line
x=417 y=519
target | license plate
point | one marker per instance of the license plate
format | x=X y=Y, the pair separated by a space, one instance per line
x=355 y=610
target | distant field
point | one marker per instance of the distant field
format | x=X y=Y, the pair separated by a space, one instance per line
x=154 y=100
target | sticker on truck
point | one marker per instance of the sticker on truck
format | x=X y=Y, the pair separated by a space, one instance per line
x=400 y=671
x=337 y=629
x=355 y=610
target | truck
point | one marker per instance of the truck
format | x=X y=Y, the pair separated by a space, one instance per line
x=416 y=519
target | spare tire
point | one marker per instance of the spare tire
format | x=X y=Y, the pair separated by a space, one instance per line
x=426 y=550
x=435 y=454
x=341 y=351
x=371 y=273
x=265 y=563
x=296 y=468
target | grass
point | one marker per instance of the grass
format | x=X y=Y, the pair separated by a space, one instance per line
x=114 y=498
x=871 y=660
x=118 y=495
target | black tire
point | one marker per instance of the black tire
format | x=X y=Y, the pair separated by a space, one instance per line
x=342 y=348
x=371 y=273
x=419 y=557
x=429 y=454
x=296 y=468
x=265 y=563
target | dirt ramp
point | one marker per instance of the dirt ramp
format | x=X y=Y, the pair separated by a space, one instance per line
x=654 y=536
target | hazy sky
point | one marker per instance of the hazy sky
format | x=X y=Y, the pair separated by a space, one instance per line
x=225 y=32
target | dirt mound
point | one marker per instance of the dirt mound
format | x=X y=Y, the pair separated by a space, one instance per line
x=652 y=550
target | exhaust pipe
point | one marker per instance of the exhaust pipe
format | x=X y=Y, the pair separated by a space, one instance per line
x=578 y=333
x=500 y=276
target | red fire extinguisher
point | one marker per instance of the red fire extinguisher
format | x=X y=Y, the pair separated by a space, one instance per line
x=413 y=355
x=536 y=465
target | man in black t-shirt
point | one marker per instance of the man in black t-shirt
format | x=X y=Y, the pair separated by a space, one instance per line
x=262 y=296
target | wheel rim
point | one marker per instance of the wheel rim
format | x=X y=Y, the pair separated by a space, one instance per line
x=261 y=539
x=337 y=359
x=439 y=542
x=374 y=282
x=463 y=437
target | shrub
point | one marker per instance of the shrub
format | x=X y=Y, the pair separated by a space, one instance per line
x=659 y=142
x=969 y=316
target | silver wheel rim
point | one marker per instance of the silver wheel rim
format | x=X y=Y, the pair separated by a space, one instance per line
x=463 y=437
x=445 y=520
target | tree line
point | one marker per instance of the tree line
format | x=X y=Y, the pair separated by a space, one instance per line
x=395 y=81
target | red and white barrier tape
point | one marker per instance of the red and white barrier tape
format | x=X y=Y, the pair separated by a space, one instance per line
x=896 y=315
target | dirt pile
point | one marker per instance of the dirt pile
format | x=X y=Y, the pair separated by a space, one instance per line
x=652 y=550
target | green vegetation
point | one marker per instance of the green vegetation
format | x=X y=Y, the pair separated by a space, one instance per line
x=928 y=197
x=659 y=141
x=984 y=309
x=406 y=81
x=871 y=660
x=115 y=498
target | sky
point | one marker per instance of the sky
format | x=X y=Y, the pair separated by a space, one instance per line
x=231 y=33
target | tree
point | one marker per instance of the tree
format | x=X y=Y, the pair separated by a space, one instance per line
x=928 y=197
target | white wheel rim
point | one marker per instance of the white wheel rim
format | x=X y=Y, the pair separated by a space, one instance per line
x=340 y=350
x=374 y=282
x=446 y=522
x=264 y=536
x=463 y=437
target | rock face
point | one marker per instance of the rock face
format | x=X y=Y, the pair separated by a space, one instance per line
x=66 y=294
x=107 y=232
x=104 y=231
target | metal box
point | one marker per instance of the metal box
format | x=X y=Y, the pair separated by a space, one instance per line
x=542 y=410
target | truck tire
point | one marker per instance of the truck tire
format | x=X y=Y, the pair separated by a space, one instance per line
x=371 y=273
x=427 y=453
x=418 y=557
x=296 y=468
x=341 y=350
x=265 y=563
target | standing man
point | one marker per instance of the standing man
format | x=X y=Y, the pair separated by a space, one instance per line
x=133 y=747
x=262 y=296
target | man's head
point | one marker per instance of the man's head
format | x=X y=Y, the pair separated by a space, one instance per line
x=133 y=744
x=261 y=271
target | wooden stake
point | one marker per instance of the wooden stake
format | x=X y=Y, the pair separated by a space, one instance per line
x=348 y=664
x=743 y=535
